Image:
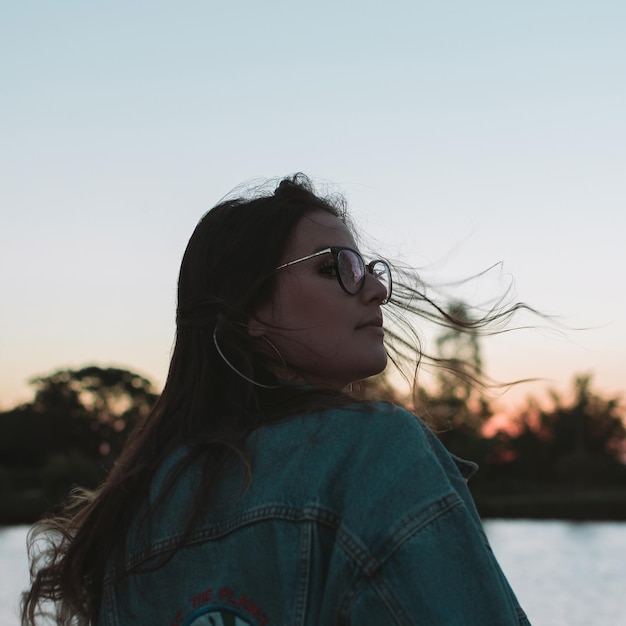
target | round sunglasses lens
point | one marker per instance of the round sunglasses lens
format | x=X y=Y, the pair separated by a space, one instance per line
x=381 y=271
x=351 y=270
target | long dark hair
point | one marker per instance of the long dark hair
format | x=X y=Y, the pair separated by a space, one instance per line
x=227 y=271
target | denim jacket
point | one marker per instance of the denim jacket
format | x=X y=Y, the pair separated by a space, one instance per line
x=355 y=516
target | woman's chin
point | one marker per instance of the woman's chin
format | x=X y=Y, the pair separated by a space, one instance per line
x=374 y=367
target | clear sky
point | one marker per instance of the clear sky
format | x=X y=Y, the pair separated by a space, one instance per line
x=462 y=133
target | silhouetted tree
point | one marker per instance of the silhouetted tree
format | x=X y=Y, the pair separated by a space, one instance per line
x=457 y=405
x=460 y=357
x=578 y=444
x=108 y=401
x=88 y=412
x=70 y=434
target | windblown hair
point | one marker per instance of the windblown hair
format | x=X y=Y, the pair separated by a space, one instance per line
x=227 y=271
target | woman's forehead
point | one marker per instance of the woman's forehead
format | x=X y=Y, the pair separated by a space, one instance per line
x=316 y=231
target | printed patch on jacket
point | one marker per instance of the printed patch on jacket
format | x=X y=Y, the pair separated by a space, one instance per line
x=217 y=616
x=221 y=606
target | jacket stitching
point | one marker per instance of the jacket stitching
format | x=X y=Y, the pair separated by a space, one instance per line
x=393 y=604
x=410 y=528
x=367 y=561
x=216 y=531
x=415 y=524
x=303 y=580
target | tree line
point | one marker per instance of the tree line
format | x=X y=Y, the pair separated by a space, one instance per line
x=69 y=435
x=566 y=460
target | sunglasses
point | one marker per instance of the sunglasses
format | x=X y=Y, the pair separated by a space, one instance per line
x=351 y=269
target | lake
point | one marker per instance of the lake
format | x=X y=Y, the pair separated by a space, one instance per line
x=564 y=573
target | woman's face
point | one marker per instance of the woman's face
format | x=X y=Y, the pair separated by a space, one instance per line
x=330 y=338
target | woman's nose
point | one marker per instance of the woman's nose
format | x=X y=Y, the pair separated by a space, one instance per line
x=374 y=289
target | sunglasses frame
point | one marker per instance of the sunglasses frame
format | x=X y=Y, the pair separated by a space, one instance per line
x=368 y=267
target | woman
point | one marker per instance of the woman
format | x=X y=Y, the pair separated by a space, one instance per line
x=259 y=490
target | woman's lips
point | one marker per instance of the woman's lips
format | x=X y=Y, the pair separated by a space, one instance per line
x=375 y=322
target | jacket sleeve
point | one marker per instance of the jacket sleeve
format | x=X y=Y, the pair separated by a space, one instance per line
x=443 y=574
x=435 y=565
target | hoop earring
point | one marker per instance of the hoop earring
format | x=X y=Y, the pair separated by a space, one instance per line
x=232 y=367
x=273 y=347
